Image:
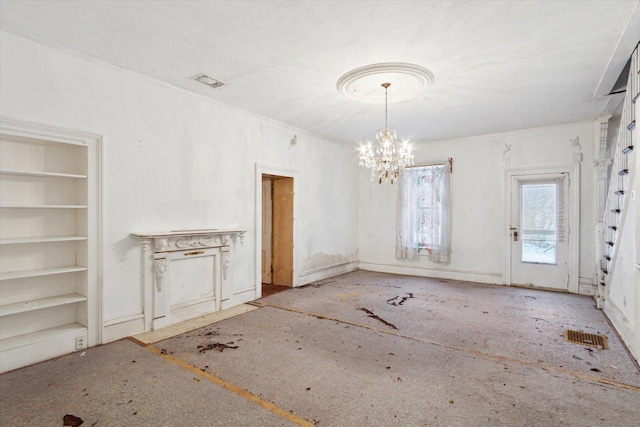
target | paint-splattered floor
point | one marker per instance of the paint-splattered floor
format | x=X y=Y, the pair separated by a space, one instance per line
x=359 y=349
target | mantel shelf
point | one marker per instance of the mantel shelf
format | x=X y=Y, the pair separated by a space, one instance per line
x=43 y=239
x=40 y=272
x=180 y=233
x=43 y=174
x=39 y=304
x=174 y=240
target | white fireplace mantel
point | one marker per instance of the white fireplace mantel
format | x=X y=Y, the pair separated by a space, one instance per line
x=185 y=273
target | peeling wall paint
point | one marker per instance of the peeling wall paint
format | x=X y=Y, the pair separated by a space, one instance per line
x=321 y=260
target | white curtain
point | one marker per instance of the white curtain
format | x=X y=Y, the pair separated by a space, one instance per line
x=407 y=217
x=424 y=214
x=440 y=250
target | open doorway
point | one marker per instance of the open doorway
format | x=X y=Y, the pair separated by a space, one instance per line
x=277 y=233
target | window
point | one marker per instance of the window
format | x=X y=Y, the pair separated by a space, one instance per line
x=424 y=213
x=538 y=222
x=429 y=205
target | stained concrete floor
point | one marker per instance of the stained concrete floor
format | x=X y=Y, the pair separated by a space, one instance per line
x=439 y=353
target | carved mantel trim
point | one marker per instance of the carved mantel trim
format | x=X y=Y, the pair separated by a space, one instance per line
x=159 y=248
x=180 y=240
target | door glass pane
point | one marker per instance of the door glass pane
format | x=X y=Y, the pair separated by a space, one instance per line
x=538 y=222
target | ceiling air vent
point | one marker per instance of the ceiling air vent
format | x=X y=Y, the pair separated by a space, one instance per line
x=209 y=81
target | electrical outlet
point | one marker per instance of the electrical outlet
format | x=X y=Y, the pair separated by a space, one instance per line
x=81 y=343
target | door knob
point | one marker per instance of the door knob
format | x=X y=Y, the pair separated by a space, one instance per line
x=515 y=236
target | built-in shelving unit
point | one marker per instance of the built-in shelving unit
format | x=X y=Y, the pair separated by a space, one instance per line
x=48 y=243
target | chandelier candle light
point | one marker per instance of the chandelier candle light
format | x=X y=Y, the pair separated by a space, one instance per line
x=393 y=157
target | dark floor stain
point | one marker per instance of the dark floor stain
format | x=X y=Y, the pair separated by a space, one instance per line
x=216 y=346
x=375 y=316
x=318 y=284
x=72 y=420
x=399 y=301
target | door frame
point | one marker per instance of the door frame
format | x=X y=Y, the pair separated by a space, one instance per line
x=261 y=170
x=267 y=202
x=573 y=218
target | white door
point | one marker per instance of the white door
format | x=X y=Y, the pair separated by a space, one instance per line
x=267 y=226
x=538 y=229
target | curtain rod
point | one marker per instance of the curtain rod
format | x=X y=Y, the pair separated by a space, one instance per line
x=424 y=165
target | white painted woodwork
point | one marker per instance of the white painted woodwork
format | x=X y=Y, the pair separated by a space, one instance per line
x=38 y=304
x=43 y=239
x=48 y=242
x=267 y=230
x=26 y=349
x=187 y=273
x=36 y=173
x=540 y=275
x=40 y=272
x=621 y=294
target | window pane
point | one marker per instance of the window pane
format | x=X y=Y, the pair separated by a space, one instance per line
x=538 y=213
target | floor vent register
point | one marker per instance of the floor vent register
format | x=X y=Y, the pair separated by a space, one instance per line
x=583 y=338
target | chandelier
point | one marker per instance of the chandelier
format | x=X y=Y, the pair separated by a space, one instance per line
x=389 y=158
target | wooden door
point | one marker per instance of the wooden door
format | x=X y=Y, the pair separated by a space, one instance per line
x=283 y=231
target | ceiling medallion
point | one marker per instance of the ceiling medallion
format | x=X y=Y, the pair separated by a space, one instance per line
x=363 y=84
x=388 y=159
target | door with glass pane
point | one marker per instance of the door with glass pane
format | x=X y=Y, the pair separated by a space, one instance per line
x=539 y=244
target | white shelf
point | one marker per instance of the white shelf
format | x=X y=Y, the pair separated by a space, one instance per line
x=48 y=218
x=39 y=304
x=44 y=206
x=40 y=272
x=43 y=239
x=37 y=173
x=42 y=335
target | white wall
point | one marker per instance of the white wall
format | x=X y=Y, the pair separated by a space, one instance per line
x=478 y=184
x=173 y=160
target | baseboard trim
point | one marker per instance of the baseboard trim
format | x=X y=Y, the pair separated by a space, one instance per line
x=122 y=327
x=465 y=276
x=623 y=327
x=586 y=286
x=239 y=297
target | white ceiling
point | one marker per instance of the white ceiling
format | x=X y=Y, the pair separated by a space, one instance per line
x=498 y=65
